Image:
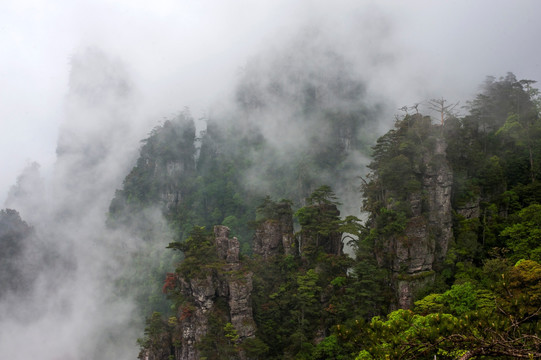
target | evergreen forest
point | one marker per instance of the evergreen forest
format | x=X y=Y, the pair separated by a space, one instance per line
x=441 y=260
x=293 y=227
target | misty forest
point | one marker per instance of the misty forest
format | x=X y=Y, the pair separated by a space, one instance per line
x=302 y=221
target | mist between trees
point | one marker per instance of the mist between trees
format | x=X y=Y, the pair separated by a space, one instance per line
x=444 y=263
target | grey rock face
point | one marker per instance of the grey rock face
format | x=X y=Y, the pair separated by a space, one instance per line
x=414 y=252
x=275 y=236
x=227 y=249
x=268 y=239
x=170 y=194
x=240 y=305
x=428 y=232
x=437 y=182
x=227 y=280
x=470 y=210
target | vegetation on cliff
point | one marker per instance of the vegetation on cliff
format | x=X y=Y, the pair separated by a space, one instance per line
x=453 y=223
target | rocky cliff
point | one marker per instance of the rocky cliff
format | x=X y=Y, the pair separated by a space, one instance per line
x=213 y=287
x=161 y=175
x=428 y=231
x=409 y=201
x=275 y=236
x=226 y=282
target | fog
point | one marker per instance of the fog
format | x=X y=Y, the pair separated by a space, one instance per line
x=188 y=53
x=82 y=82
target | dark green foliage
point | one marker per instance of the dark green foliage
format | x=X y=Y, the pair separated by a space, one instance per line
x=272 y=300
x=321 y=304
x=14 y=239
x=168 y=152
x=291 y=304
x=220 y=342
x=157 y=343
x=218 y=191
x=271 y=210
x=254 y=348
x=294 y=299
x=13 y=231
x=464 y=322
x=199 y=253
x=523 y=235
x=321 y=226
x=494 y=153
x=396 y=173
x=369 y=293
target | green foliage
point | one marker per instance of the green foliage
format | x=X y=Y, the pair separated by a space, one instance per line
x=157 y=340
x=307 y=291
x=321 y=226
x=464 y=321
x=15 y=237
x=520 y=291
x=322 y=304
x=460 y=298
x=395 y=159
x=168 y=149
x=432 y=303
x=322 y=195
x=220 y=342
x=272 y=297
x=329 y=348
x=524 y=234
x=368 y=290
x=231 y=333
x=254 y=348
x=269 y=209
x=199 y=253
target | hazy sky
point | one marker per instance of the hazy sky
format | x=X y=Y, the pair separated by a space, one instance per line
x=187 y=53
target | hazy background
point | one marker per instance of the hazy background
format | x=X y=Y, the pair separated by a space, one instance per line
x=187 y=53
x=92 y=78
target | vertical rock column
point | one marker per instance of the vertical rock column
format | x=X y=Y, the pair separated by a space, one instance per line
x=426 y=238
x=275 y=236
x=226 y=279
x=237 y=283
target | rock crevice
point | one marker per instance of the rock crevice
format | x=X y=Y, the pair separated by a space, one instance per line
x=227 y=280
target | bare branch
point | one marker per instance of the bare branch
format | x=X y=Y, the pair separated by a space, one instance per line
x=444 y=110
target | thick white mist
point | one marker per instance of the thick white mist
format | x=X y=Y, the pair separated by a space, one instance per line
x=177 y=54
x=73 y=309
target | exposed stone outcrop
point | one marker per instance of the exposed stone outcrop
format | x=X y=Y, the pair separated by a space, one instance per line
x=193 y=320
x=275 y=236
x=414 y=251
x=470 y=209
x=268 y=239
x=437 y=183
x=425 y=240
x=171 y=171
x=227 y=280
x=218 y=288
x=227 y=249
x=240 y=306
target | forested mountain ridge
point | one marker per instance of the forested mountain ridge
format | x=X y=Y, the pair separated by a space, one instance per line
x=221 y=175
x=408 y=197
x=451 y=237
x=446 y=262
